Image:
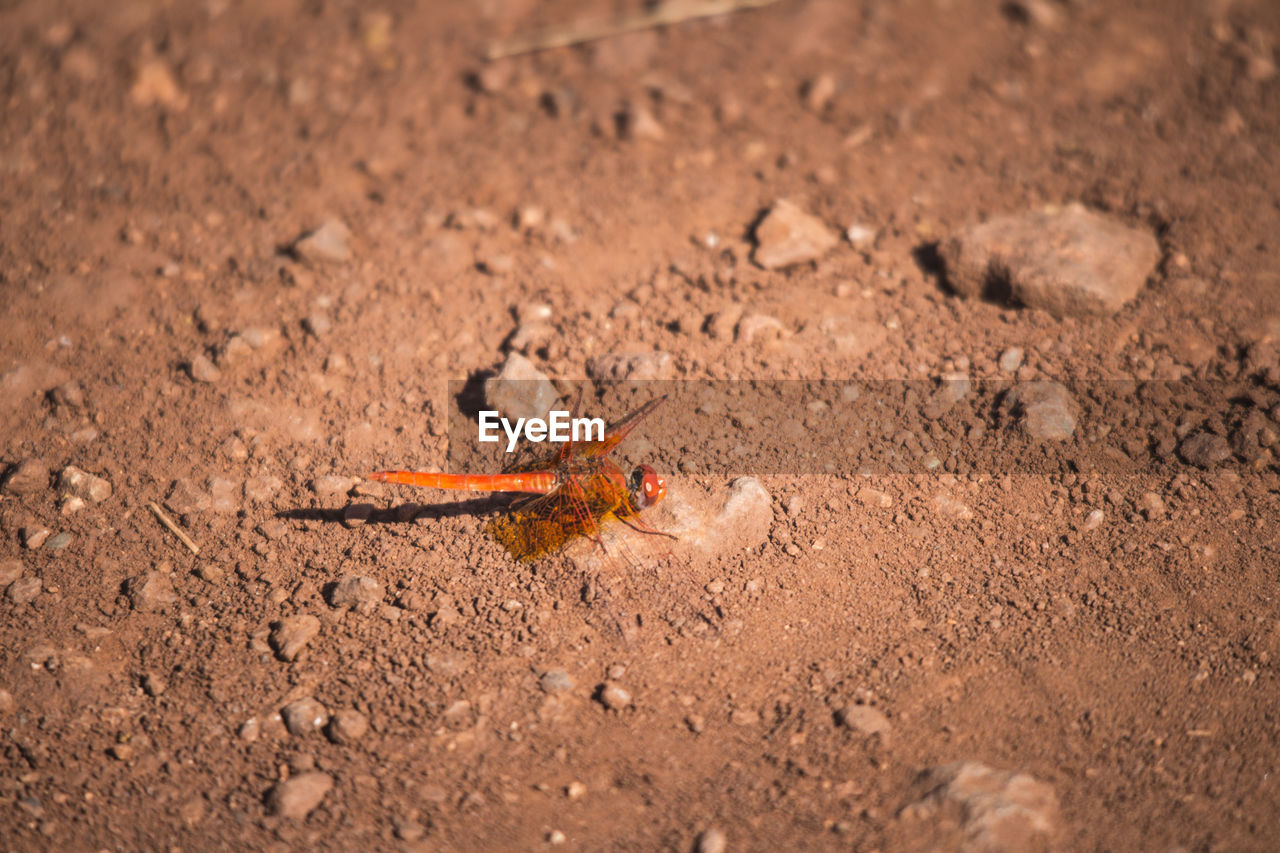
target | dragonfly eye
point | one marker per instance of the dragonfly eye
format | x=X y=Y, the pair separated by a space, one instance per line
x=646 y=486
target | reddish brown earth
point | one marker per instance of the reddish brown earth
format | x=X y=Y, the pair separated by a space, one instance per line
x=158 y=159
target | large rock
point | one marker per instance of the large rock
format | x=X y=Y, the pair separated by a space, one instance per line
x=1069 y=261
x=788 y=235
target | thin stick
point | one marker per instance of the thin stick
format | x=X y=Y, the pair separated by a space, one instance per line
x=174 y=529
x=585 y=31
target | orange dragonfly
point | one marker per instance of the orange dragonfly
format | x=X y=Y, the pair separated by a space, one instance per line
x=577 y=487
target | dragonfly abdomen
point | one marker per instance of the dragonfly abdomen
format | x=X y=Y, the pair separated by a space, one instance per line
x=533 y=482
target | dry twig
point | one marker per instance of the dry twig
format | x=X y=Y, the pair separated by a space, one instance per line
x=585 y=31
x=174 y=529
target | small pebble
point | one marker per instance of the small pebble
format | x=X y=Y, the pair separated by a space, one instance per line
x=859 y=235
x=202 y=369
x=637 y=122
x=614 y=697
x=304 y=716
x=556 y=681
x=25 y=590
x=347 y=726
x=291 y=635
x=1204 y=449
x=34 y=537
x=357 y=593
x=317 y=323
x=83 y=485
x=27 y=477
x=250 y=730
x=10 y=570
x=68 y=394
x=1093 y=519
x=151 y=593
x=297 y=796
x=154 y=684
x=865 y=720
x=332 y=484
x=819 y=91
x=58 y=541
x=355 y=515
x=788 y=235
x=1011 y=360
x=328 y=243
x=186 y=498
x=1152 y=506
x=712 y=841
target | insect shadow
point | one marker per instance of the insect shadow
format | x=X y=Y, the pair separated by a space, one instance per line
x=401 y=513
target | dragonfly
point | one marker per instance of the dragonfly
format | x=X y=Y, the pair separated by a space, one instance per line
x=568 y=494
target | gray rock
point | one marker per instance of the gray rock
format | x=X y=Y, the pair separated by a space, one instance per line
x=326 y=244
x=1044 y=409
x=1204 y=449
x=357 y=593
x=297 y=796
x=81 y=484
x=520 y=390
x=291 y=635
x=991 y=810
x=25 y=590
x=27 y=477
x=788 y=235
x=58 y=541
x=1068 y=261
x=304 y=716
x=151 y=593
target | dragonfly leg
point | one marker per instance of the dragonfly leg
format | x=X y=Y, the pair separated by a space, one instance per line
x=639 y=526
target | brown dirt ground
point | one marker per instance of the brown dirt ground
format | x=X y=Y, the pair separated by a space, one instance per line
x=155 y=158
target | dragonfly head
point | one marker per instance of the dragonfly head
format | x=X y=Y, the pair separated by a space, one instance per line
x=647 y=488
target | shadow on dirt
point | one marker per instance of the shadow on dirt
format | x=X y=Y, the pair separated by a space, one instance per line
x=405 y=513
